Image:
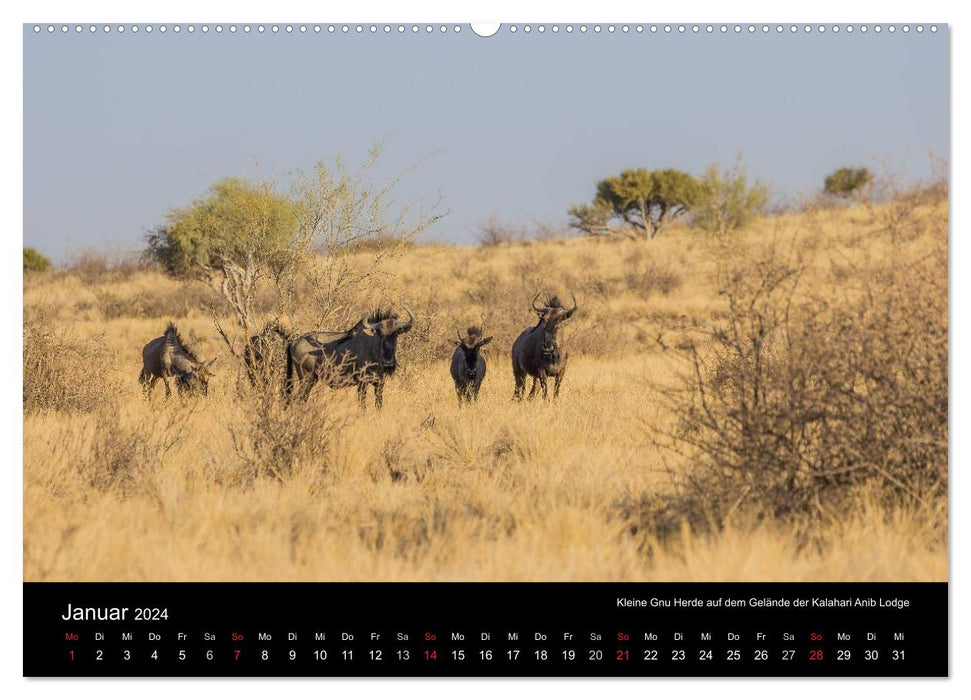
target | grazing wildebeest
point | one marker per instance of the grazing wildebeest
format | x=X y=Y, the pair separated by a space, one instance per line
x=168 y=356
x=536 y=352
x=362 y=355
x=468 y=365
x=264 y=355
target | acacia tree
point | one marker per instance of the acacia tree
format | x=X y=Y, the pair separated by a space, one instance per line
x=237 y=233
x=241 y=232
x=641 y=202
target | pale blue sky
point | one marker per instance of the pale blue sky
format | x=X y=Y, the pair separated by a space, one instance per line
x=120 y=128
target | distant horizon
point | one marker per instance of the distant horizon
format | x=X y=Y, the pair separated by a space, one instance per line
x=121 y=128
x=120 y=254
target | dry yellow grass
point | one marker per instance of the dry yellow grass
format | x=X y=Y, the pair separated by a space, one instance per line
x=426 y=490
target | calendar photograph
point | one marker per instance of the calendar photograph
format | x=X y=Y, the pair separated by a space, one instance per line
x=444 y=303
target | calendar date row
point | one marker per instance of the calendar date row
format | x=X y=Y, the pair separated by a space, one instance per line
x=431 y=655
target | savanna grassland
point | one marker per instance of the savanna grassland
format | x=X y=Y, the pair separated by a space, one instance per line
x=651 y=465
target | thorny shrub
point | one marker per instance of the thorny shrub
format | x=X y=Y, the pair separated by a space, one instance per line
x=124 y=455
x=276 y=435
x=63 y=371
x=799 y=398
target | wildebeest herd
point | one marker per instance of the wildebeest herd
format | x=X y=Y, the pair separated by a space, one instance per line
x=365 y=355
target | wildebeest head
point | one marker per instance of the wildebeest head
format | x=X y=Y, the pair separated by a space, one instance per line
x=470 y=344
x=385 y=326
x=196 y=379
x=551 y=315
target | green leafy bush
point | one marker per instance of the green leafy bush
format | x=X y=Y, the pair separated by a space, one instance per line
x=35 y=261
x=237 y=223
x=847 y=182
x=727 y=202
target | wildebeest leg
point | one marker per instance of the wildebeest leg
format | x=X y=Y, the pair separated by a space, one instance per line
x=378 y=394
x=168 y=389
x=556 y=383
x=460 y=392
x=532 y=389
x=301 y=381
x=542 y=383
x=307 y=383
x=520 y=386
x=362 y=394
x=148 y=383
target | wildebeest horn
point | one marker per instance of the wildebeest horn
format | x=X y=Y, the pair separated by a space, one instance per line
x=569 y=312
x=458 y=334
x=537 y=310
x=402 y=327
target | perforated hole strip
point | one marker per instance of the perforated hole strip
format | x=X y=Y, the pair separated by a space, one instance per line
x=448 y=29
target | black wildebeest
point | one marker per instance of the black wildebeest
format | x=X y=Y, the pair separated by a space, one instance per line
x=169 y=357
x=264 y=355
x=536 y=352
x=363 y=355
x=468 y=365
